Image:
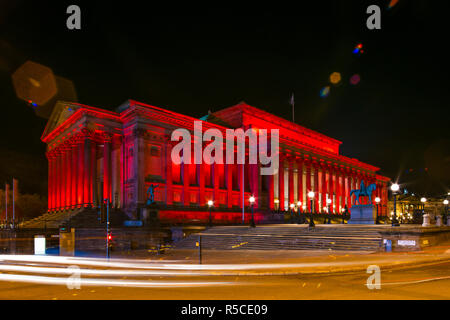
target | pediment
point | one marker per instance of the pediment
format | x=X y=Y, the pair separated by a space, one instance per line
x=61 y=112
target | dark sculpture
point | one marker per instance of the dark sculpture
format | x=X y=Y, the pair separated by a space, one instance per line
x=151 y=194
x=363 y=192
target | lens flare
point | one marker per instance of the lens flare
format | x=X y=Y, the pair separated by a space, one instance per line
x=358 y=50
x=325 y=91
x=335 y=78
x=354 y=80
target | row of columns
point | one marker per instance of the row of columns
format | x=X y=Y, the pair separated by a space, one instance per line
x=73 y=172
x=252 y=175
x=337 y=188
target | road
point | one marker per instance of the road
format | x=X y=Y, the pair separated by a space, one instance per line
x=424 y=282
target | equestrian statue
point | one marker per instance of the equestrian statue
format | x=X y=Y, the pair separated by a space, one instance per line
x=363 y=191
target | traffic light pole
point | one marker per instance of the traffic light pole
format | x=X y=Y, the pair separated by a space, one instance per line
x=107 y=228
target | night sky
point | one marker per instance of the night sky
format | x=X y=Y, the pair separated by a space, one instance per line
x=192 y=60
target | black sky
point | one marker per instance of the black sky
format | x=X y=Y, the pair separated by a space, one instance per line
x=196 y=59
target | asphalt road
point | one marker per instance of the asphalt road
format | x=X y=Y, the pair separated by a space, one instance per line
x=425 y=282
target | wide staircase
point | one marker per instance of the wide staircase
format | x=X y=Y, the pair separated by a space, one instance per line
x=81 y=217
x=50 y=219
x=286 y=237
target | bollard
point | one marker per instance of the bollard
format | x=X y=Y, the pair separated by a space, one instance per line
x=388 y=245
x=426 y=220
x=439 y=221
x=199 y=244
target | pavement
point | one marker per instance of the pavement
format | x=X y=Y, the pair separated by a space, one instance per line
x=229 y=274
x=290 y=262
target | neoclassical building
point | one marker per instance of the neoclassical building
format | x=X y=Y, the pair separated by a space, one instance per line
x=95 y=154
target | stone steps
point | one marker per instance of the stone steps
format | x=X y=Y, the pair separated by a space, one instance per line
x=285 y=237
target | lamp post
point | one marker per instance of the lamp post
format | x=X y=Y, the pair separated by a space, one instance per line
x=329 y=210
x=377 y=201
x=394 y=188
x=210 y=204
x=445 y=211
x=304 y=213
x=252 y=201
x=292 y=206
x=299 y=205
x=423 y=200
x=311 y=219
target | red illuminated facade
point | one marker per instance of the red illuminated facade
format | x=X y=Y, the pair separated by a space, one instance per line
x=94 y=153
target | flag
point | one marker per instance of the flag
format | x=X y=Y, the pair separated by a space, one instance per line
x=292 y=102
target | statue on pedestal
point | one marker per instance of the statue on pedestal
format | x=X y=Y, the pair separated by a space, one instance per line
x=360 y=213
x=151 y=194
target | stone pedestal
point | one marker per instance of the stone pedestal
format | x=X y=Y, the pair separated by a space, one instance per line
x=426 y=220
x=439 y=221
x=151 y=216
x=362 y=214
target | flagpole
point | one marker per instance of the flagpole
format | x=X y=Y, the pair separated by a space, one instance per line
x=6 y=202
x=14 y=199
x=292 y=102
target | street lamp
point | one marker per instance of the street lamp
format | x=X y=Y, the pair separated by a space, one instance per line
x=252 y=201
x=329 y=210
x=394 y=188
x=311 y=220
x=210 y=205
x=299 y=205
x=445 y=211
x=377 y=201
x=277 y=203
x=292 y=206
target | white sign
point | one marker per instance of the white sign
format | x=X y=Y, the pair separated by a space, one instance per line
x=39 y=244
x=406 y=242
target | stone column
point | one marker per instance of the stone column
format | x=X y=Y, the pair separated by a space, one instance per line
x=254 y=170
x=338 y=191
x=324 y=189
x=50 y=182
x=107 y=168
x=58 y=179
x=291 y=182
x=186 y=195
x=229 y=180
x=281 y=183
x=316 y=188
x=331 y=188
x=271 y=191
x=216 y=178
x=81 y=170
x=241 y=185
x=63 y=174
x=68 y=185
x=74 y=173
x=308 y=185
x=169 y=181
x=93 y=173
x=300 y=182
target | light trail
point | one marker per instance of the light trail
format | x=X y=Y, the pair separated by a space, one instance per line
x=105 y=282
